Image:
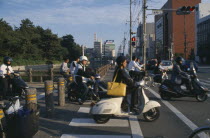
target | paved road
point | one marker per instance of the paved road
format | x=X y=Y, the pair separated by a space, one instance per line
x=177 y=120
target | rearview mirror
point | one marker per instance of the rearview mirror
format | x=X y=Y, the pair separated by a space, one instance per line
x=188 y=69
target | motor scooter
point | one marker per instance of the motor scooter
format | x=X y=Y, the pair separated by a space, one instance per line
x=170 y=90
x=75 y=96
x=19 y=86
x=110 y=106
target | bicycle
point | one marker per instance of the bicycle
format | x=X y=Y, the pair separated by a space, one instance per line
x=201 y=132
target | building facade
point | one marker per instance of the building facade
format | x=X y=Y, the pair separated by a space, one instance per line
x=109 y=48
x=98 y=48
x=150 y=43
x=202 y=29
x=179 y=34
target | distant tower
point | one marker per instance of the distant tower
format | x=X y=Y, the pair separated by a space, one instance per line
x=95 y=37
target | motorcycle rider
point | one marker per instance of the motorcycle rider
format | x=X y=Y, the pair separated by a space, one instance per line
x=74 y=65
x=134 y=68
x=64 y=70
x=5 y=71
x=178 y=72
x=80 y=72
x=124 y=77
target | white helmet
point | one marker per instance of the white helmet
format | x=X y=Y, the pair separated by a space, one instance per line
x=83 y=58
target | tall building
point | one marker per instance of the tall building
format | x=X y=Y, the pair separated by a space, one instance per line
x=150 y=43
x=98 y=48
x=109 y=48
x=202 y=30
x=159 y=36
x=175 y=32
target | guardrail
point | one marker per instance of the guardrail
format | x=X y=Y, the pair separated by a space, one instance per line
x=52 y=73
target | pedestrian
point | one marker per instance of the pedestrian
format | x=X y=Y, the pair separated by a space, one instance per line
x=74 y=65
x=64 y=70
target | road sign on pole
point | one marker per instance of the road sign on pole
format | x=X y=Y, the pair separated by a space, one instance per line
x=156 y=12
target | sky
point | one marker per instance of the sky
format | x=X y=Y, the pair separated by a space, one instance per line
x=80 y=18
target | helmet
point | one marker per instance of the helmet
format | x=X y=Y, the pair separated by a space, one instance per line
x=7 y=59
x=178 y=59
x=120 y=60
x=97 y=76
x=83 y=58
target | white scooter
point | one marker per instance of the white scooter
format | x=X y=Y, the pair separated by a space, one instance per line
x=108 y=107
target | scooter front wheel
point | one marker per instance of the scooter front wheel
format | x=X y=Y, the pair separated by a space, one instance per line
x=101 y=119
x=152 y=115
x=202 y=97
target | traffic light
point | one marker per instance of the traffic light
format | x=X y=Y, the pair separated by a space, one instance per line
x=133 y=41
x=185 y=10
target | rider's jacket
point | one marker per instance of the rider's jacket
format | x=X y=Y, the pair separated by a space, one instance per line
x=73 y=66
x=81 y=71
x=124 y=77
x=133 y=66
x=177 y=70
x=4 y=69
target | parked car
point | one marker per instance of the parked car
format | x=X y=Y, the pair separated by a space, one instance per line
x=167 y=64
x=151 y=64
x=186 y=64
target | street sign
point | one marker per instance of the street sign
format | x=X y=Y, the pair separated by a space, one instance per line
x=156 y=12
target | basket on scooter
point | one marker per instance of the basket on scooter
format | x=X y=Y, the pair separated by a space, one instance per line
x=23 y=124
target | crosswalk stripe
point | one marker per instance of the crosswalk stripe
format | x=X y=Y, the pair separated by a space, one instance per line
x=188 y=122
x=135 y=127
x=90 y=122
x=94 y=136
x=84 y=110
x=205 y=81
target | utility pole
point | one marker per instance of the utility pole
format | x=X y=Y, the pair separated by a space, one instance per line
x=83 y=53
x=131 y=49
x=185 y=38
x=144 y=32
x=124 y=44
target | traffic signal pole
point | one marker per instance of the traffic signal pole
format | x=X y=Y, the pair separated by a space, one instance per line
x=144 y=33
x=185 y=38
x=131 y=49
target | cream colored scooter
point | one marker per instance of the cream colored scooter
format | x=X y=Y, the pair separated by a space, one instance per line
x=108 y=107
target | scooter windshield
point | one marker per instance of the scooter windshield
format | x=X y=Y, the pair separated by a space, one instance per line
x=192 y=68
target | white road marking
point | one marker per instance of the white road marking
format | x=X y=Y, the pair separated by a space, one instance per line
x=90 y=122
x=84 y=110
x=40 y=96
x=208 y=95
x=94 y=136
x=189 y=123
x=135 y=127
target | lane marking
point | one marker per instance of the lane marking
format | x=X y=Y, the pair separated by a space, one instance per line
x=189 y=123
x=205 y=81
x=42 y=95
x=94 y=136
x=177 y=112
x=135 y=127
x=90 y=122
x=84 y=110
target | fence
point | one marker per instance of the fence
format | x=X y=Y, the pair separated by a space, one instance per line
x=29 y=75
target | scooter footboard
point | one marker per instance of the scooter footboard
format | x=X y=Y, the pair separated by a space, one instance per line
x=149 y=105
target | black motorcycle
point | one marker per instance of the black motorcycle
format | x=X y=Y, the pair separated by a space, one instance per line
x=170 y=90
x=75 y=93
x=19 y=86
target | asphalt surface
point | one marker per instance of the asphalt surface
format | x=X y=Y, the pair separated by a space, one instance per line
x=178 y=118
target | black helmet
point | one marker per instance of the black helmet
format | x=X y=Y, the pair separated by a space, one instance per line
x=178 y=59
x=7 y=59
x=120 y=60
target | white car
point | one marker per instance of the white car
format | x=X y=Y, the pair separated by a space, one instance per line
x=167 y=64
